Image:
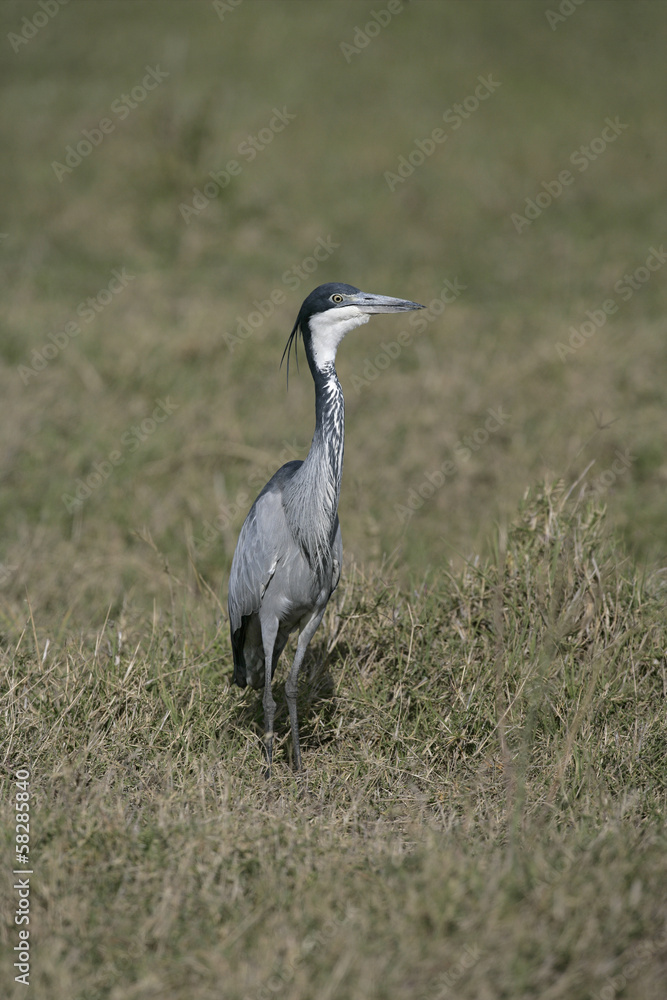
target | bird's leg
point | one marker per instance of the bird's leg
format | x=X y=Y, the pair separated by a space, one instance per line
x=269 y=633
x=305 y=636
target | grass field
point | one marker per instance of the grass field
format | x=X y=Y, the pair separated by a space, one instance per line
x=482 y=811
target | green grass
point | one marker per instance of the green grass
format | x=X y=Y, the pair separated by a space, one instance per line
x=483 y=804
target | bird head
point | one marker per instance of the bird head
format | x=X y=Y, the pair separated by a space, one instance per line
x=331 y=311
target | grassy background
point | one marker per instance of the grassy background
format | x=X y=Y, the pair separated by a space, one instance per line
x=483 y=728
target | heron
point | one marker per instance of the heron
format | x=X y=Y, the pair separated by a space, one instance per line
x=289 y=552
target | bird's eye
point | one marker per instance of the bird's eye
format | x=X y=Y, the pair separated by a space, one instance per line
x=336 y=298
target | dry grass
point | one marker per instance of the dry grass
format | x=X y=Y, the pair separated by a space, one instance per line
x=482 y=812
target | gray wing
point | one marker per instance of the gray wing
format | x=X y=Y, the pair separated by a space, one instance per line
x=255 y=560
x=256 y=555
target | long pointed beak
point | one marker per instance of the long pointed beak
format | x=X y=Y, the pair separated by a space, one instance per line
x=368 y=303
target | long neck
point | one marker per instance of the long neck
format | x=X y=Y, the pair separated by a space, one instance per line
x=326 y=449
x=311 y=500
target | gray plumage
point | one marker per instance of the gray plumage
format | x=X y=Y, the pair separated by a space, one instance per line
x=289 y=554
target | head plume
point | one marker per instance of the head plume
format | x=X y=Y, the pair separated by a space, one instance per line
x=292 y=342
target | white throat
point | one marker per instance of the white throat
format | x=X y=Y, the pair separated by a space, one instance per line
x=328 y=329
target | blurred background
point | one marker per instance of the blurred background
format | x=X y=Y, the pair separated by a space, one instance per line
x=177 y=177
